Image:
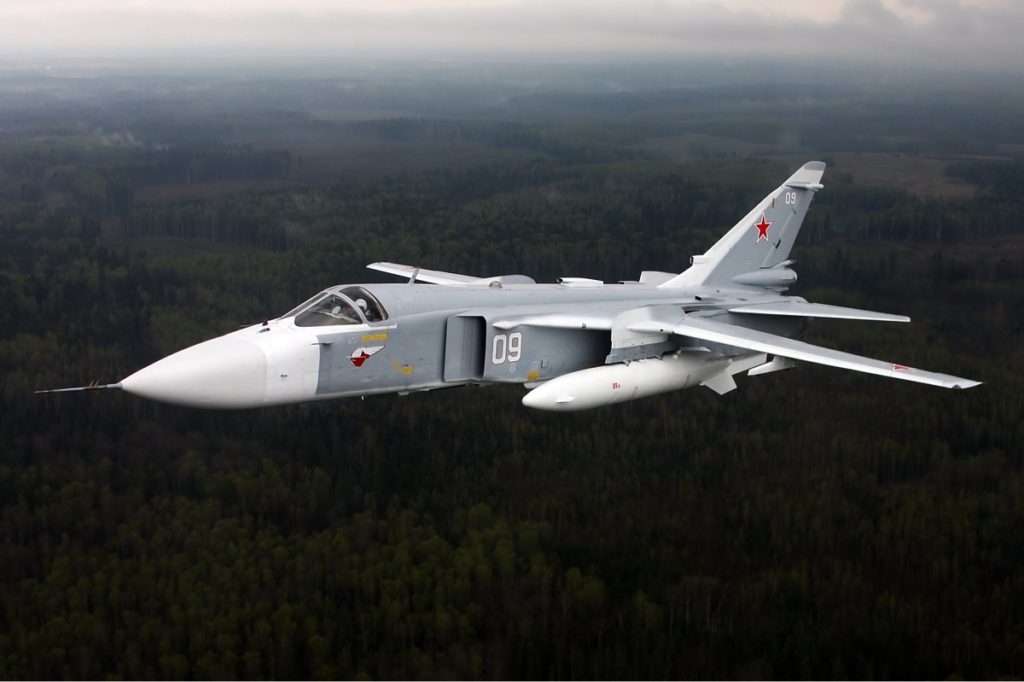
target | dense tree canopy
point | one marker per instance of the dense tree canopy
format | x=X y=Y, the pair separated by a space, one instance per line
x=813 y=523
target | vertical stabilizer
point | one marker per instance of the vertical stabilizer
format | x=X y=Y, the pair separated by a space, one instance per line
x=760 y=241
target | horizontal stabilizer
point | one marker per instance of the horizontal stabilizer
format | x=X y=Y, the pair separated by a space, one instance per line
x=742 y=337
x=449 y=279
x=805 y=309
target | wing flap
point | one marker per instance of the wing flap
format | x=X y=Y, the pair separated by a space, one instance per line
x=805 y=309
x=742 y=337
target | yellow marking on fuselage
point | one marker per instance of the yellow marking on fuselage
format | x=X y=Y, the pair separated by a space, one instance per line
x=366 y=338
x=402 y=369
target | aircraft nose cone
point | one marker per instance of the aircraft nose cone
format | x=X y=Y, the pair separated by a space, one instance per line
x=224 y=372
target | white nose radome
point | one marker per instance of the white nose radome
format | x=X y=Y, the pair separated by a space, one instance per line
x=225 y=372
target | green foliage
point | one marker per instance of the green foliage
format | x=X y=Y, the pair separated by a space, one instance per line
x=812 y=524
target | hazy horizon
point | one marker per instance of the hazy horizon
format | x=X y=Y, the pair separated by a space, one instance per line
x=947 y=34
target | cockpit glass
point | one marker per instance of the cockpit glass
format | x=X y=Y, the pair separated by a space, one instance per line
x=330 y=310
x=367 y=303
x=302 y=306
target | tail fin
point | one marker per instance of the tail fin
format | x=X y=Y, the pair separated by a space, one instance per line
x=756 y=250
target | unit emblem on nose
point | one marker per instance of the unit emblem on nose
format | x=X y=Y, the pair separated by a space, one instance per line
x=361 y=354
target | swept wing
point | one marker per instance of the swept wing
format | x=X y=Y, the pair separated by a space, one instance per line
x=449 y=279
x=742 y=337
x=804 y=309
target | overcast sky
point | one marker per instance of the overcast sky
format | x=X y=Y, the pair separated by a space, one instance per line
x=946 y=33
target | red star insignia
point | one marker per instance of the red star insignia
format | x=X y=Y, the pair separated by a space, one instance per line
x=762 y=228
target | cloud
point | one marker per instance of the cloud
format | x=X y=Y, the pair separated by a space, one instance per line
x=952 y=33
x=871 y=14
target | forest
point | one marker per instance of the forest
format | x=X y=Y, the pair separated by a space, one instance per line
x=812 y=524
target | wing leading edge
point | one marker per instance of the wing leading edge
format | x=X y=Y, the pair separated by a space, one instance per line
x=431 y=276
x=448 y=279
x=793 y=308
x=742 y=337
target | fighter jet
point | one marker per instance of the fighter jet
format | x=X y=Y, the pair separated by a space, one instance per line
x=575 y=344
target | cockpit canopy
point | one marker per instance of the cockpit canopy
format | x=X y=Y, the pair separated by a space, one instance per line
x=338 y=306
